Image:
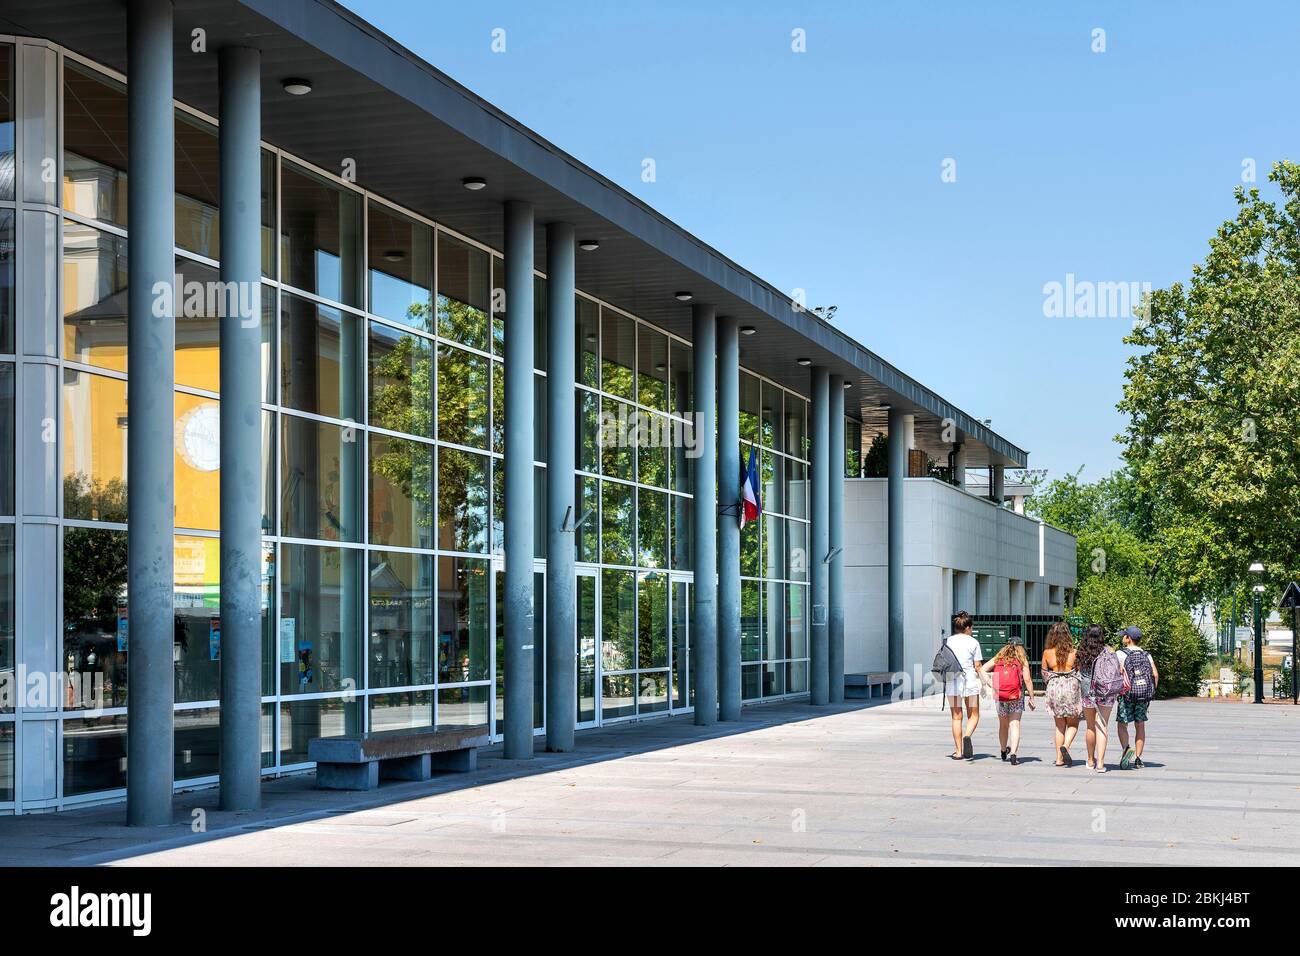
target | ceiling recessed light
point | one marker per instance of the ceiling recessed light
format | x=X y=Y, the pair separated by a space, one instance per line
x=395 y=255
x=682 y=296
x=591 y=336
x=473 y=182
x=848 y=384
x=661 y=367
x=804 y=361
x=296 y=86
x=588 y=245
x=747 y=330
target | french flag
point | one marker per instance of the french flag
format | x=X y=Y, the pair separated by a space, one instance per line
x=751 y=501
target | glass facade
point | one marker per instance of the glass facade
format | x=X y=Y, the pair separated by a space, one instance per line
x=382 y=471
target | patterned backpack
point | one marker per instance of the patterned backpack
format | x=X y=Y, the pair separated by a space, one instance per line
x=1142 y=682
x=1109 y=679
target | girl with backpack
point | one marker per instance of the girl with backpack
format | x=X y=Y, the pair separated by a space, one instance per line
x=1012 y=685
x=1140 y=669
x=1103 y=680
x=1064 y=695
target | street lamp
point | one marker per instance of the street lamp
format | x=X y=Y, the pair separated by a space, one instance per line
x=1257 y=570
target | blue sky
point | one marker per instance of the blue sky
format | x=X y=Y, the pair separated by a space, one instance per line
x=822 y=170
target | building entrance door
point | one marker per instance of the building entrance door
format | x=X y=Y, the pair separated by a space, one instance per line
x=587 y=637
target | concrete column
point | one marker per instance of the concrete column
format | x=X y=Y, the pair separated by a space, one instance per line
x=820 y=539
x=561 y=583
x=518 y=743
x=241 y=430
x=835 y=513
x=996 y=478
x=897 y=473
x=959 y=464
x=704 y=517
x=151 y=347
x=729 y=524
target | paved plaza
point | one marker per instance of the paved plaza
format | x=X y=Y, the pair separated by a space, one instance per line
x=787 y=786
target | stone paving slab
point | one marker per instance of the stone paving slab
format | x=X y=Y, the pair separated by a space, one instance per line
x=850 y=785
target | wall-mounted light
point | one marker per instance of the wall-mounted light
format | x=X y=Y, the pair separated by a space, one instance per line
x=682 y=296
x=296 y=86
x=588 y=245
x=473 y=183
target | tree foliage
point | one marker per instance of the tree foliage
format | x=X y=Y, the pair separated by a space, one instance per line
x=1212 y=399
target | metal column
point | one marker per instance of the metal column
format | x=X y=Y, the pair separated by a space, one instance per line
x=151 y=347
x=897 y=474
x=561 y=516
x=241 y=428
x=704 y=518
x=728 y=525
x=819 y=543
x=518 y=664
x=835 y=510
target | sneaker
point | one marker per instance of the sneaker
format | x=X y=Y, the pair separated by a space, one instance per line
x=1137 y=763
x=1126 y=761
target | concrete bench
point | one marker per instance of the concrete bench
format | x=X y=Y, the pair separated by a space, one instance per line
x=868 y=686
x=360 y=761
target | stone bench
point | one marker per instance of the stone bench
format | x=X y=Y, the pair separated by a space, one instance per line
x=360 y=761
x=868 y=686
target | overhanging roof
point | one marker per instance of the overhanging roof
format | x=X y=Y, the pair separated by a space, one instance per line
x=414 y=133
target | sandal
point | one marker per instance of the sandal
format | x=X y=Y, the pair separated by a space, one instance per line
x=1066 y=759
x=967 y=750
x=1005 y=751
x=1015 y=761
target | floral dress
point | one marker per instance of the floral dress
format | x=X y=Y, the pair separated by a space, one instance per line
x=1064 y=693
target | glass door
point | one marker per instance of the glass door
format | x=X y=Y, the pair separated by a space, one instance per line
x=588 y=660
x=681 y=643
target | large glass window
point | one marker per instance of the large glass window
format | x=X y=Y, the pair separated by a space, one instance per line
x=94 y=145
x=587 y=317
x=320 y=619
x=652 y=368
x=94 y=754
x=401 y=492
x=196 y=599
x=463 y=386
x=95 y=618
x=6 y=438
x=401 y=642
x=7 y=618
x=399 y=260
x=321 y=479
x=94 y=447
x=618 y=620
x=463 y=501
x=463 y=608
x=198 y=179
x=6 y=281
x=617 y=523
x=401 y=381
x=6 y=119
x=464 y=292
x=320 y=235
x=618 y=354
x=320 y=358
x=94 y=297
x=196 y=451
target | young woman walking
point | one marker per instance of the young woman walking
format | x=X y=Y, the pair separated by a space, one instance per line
x=1064 y=696
x=1012 y=685
x=1102 y=678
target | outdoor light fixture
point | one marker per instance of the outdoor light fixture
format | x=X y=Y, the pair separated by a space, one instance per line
x=804 y=361
x=848 y=385
x=588 y=245
x=591 y=336
x=661 y=367
x=297 y=87
x=747 y=330
x=473 y=183
x=682 y=296
x=394 y=255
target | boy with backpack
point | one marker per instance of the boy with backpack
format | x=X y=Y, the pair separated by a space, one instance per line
x=1140 y=667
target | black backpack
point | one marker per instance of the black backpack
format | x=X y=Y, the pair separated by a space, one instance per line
x=945 y=666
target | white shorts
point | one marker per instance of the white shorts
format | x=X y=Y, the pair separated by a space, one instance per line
x=966 y=685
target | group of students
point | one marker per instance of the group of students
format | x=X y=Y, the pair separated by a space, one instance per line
x=1087 y=681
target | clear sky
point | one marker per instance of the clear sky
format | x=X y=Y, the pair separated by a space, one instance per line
x=824 y=170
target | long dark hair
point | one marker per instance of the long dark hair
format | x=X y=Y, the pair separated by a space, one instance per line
x=1091 y=645
x=1060 y=642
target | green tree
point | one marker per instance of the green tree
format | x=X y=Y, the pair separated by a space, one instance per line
x=1212 y=399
